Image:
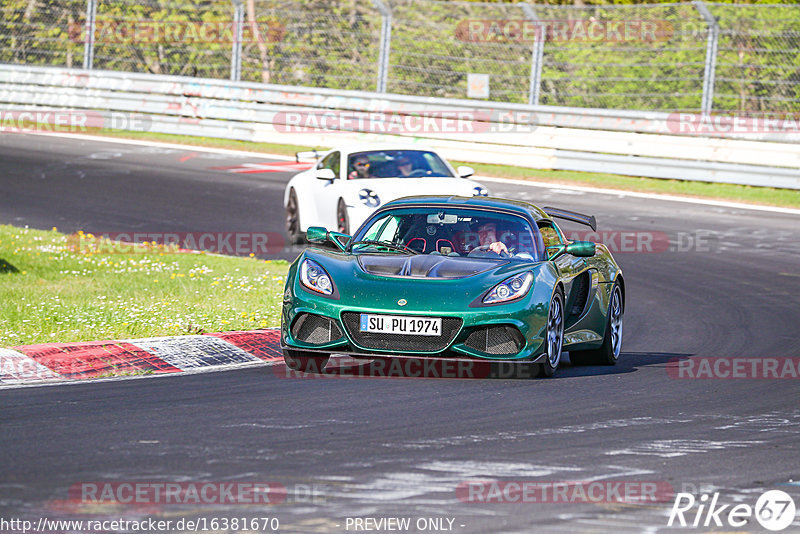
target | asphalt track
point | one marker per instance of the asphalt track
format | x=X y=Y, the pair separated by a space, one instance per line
x=400 y=447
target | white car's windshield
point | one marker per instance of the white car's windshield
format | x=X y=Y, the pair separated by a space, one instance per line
x=450 y=232
x=396 y=164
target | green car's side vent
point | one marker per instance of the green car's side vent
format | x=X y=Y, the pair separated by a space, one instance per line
x=496 y=340
x=314 y=329
x=580 y=293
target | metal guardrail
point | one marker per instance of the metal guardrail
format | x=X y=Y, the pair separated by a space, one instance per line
x=613 y=141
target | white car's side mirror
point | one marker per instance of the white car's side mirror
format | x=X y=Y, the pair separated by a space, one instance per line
x=325 y=174
x=465 y=172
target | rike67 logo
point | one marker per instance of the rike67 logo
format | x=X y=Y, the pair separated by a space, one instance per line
x=774 y=510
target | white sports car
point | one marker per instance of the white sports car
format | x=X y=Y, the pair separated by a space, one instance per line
x=347 y=184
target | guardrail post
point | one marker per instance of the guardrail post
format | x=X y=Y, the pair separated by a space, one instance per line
x=537 y=55
x=88 y=44
x=711 y=57
x=236 y=47
x=386 y=39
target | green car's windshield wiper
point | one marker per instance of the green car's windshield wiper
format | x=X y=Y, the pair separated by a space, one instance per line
x=387 y=244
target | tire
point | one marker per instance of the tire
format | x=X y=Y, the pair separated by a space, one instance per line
x=608 y=353
x=342 y=220
x=293 y=220
x=554 y=335
x=305 y=362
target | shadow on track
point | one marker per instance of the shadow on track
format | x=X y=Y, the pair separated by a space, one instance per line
x=411 y=368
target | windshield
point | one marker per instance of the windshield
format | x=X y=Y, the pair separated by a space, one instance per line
x=461 y=232
x=396 y=164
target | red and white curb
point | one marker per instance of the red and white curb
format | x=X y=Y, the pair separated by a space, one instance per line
x=52 y=362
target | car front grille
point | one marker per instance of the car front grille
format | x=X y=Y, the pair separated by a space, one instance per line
x=502 y=339
x=315 y=329
x=401 y=342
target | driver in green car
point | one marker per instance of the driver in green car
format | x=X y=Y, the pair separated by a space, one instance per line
x=487 y=237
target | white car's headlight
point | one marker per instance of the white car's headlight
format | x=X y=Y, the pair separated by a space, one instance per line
x=315 y=278
x=369 y=198
x=479 y=191
x=510 y=289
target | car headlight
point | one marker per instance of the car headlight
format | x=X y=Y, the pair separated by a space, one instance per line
x=480 y=191
x=510 y=289
x=369 y=198
x=315 y=278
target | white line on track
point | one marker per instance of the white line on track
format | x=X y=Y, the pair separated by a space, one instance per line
x=160 y=144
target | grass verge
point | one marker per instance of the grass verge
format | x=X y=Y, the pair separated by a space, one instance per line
x=769 y=196
x=53 y=291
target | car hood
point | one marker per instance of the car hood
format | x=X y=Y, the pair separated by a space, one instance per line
x=425 y=266
x=379 y=281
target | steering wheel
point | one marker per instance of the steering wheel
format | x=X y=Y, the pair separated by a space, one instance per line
x=484 y=250
x=417 y=173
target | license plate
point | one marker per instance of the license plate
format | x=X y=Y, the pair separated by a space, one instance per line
x=401 y=324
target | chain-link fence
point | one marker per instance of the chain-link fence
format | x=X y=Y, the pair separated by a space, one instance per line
x=319 y=44
x=758 y=64
x=646 y=57
x=722 y=58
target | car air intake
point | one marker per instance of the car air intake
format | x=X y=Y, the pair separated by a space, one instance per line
x=502 y=339
x=315 y=329
x=401 y=342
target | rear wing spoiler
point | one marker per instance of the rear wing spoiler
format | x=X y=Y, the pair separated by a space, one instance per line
x=573 y=216
x=313 y=154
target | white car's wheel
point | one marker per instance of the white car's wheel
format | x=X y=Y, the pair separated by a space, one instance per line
x=342 y=220
x=293 y=231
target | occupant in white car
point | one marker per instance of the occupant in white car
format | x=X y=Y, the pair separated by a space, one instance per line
x=404 y=166
x=360 y=168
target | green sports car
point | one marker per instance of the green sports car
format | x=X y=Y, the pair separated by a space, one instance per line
x=478 y=278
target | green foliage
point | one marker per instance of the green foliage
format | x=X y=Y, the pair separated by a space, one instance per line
x=336 y=44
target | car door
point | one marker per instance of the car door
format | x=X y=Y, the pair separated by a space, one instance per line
x=327 y=192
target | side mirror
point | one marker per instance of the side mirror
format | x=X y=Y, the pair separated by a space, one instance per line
x=325 y=174
x=321 y=236
x=317 y=234
x=465 y=172
x=581 y=249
